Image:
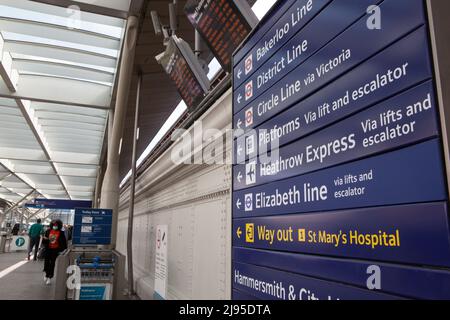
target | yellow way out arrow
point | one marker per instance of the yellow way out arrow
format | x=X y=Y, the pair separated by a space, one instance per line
x=239 y=232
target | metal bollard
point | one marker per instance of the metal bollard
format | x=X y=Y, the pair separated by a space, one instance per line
x=2 y=243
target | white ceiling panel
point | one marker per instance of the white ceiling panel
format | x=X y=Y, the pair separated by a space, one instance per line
x=122 y=5
x=32 y=167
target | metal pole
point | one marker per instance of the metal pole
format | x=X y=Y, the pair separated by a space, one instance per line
x=110 y=187
x=21 y=217
x=97 y=189
x=132 y=192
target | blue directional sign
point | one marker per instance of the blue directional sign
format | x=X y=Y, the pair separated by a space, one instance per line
x=383 y=234
x=407 y=281
x=92 y=227
x=343 y=53
x=338 y=170
x=405 y=119
x=239 y=295
x=269 y=284
x=367 y=84
x=298 y=49
x=265 y=25
x=376 y=181
x=58 y=204
x=287 y=25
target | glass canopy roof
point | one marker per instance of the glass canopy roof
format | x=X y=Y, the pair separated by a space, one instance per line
x=57 y=73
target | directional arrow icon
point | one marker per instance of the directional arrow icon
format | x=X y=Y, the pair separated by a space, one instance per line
x=239 y=177
x=239 y=232
x=238 y=204
x=239 y=123
x=239 y=74
x=239 y=98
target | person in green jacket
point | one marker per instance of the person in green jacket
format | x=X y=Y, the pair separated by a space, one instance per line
x=35 y=238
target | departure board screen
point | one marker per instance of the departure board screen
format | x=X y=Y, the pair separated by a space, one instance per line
x=178 y=68
x=221 y=24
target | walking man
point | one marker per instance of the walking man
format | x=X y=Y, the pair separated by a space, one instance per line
x=35 y=237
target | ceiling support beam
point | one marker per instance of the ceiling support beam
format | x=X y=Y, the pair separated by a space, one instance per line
x=9 y=189
x=57 y=162
x=19 y=202
x=9 y=75
x=17 y=176
x=32 y=215
x=59 y=91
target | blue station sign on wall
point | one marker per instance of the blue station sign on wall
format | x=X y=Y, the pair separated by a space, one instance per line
x=338 y=168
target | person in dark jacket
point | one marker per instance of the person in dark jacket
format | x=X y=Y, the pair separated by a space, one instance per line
x=35 y=233
x=55 y=242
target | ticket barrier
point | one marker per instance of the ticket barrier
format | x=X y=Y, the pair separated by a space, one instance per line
x=90 y=274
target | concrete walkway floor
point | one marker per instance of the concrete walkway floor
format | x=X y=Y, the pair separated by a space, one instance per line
x=21 y=279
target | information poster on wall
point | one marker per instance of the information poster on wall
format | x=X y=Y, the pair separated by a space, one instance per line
x=338 y=168
x=92 y=227
x=161 y=262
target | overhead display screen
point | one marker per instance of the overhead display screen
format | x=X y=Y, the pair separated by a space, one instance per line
x=223 y=25
x=338 y=170
x=182 y=67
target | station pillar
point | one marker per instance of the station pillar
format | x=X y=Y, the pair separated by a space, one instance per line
x=110 y=187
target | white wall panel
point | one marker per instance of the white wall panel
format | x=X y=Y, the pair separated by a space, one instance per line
x=194 y=201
